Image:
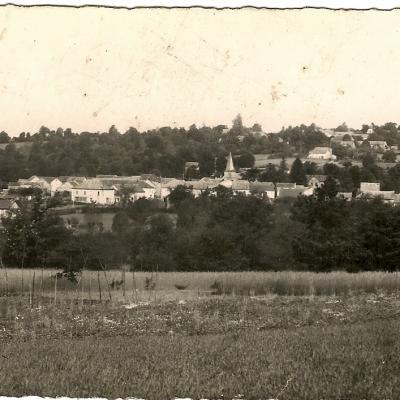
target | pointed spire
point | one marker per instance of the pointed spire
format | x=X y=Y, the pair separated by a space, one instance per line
x=229 y=165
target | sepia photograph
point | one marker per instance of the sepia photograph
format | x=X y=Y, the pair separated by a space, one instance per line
x=199 y=202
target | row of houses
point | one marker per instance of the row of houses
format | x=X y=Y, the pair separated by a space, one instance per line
x=108 y=190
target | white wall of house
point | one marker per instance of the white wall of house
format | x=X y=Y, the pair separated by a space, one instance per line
x=98 y=196
x=149 y=193
x=54 y=185
x=269 y=193
x=164 y=192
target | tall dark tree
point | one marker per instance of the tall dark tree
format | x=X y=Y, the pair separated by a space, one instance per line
x=297 y=172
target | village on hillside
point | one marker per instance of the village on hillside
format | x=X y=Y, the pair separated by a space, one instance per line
x=112 y=190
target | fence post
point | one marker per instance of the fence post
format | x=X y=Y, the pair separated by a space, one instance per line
x=33 y=287
x=98 y=281
x=55 y=291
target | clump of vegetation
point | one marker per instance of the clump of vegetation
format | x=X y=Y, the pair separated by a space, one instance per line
x=217 y=288
x=149 y=283
x=181 y=287
x=116 y=284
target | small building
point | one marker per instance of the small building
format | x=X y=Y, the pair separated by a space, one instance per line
x=378 y=145
x=168 y=185
x=295 y=192
x=370 y=190
x=7 y=207
x=192 y=165
x=241 y=186
x=321 y=153
x=316 y=181
x=263 y=189
x=370 y=187
x=93 y=191
x=345 y=195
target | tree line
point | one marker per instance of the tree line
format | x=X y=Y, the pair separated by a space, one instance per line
x=217 y=231
x=162 y=151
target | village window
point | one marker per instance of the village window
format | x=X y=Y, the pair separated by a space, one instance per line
x=98 y=193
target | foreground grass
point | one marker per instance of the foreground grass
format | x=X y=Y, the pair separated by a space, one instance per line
x=359 y=361
x=281 y=347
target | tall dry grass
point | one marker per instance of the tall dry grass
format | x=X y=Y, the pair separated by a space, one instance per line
x=93 y=285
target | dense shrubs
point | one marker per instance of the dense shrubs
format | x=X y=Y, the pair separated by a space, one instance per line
x=216 y=232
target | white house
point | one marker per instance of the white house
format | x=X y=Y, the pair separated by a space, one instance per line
x=321 y=153
x=241 y=186
x=263 y=189
x=371 y=189
x=142 y=190
x=168 y=185
x=47 y=183
x=379 y=145
x=295 y=191
x=92 y=191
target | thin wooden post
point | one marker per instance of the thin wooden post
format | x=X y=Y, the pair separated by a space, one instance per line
x=22 y=281
x=123 y=283
x=41 y=285
x=5 y=274
x=134 y=288
x=82 y=290
x=55 y=291
x=98 y=281
x=33 y=287
x=90 y=287
x=107 y=283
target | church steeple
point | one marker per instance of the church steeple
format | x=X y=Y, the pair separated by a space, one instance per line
x=229 y=165
x=230 y=173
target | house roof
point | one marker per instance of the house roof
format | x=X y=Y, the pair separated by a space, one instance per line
x=320 y=178
x=286 y=185
x=260 y=187
x=6 y=204
x=378 y=142
x=124 y=180
x=285 y=192
x=94 y=184
x=150 y=177
x=48 y=179
x=64 y=179
x=145 y=185
x=173 y=183
x=189 y=164
x=197 y=185
x=211 y=181
x=320 y=150
x=240 y=184
x=386 y=165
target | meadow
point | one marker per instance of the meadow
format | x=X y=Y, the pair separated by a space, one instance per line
x=122 y=285
x=286 y=335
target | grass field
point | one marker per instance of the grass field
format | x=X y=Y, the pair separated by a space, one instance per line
x=311 y=336
x=193 y=284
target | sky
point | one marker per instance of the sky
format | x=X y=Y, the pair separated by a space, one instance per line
x=89 y=68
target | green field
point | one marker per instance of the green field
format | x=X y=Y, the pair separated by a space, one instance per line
x=258 y=339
